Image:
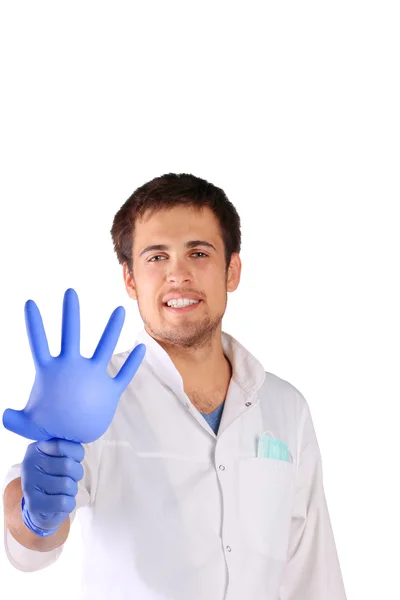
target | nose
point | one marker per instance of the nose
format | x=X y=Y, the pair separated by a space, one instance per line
x=179 y=271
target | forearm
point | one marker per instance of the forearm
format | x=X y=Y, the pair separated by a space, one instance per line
x=15 y=525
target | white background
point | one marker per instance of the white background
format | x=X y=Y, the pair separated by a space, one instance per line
x=291 y=108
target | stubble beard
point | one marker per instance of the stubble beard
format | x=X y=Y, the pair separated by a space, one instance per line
x=189 y=334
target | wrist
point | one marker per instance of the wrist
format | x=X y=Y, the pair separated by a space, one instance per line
x=28 y=522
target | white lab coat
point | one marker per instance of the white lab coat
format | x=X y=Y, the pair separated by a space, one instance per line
x=170 y=511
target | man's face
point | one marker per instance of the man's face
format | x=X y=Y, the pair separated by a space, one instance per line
x=199 y=270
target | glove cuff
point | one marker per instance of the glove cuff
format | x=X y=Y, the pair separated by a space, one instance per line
x=27 y=520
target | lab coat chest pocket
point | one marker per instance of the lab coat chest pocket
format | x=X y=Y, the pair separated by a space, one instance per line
x=265 y=497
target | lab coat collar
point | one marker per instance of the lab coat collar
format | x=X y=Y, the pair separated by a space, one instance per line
x=247 y=372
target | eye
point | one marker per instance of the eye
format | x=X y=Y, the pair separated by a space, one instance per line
x=160 y=255
x=152 y=259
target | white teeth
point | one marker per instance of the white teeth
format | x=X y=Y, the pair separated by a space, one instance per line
x=181 y=302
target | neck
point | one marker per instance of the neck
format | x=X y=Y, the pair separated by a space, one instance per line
x=204 y=367
x=208 y=376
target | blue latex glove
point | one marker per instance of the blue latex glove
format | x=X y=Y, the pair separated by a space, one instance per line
x=49 y=475
x=73 y=397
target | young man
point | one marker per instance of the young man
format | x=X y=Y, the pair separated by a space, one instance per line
x=206 y=483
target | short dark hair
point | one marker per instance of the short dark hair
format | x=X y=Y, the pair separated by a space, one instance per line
x=165 y=192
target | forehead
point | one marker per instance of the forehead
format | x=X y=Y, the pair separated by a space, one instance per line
x=177 y=222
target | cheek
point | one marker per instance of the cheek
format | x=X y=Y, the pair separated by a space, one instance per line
x=147 y=279
x=150 y=287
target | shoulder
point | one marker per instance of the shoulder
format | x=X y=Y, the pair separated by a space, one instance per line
x=283 y=394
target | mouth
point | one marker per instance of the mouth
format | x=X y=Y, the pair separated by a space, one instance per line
x=183 y=309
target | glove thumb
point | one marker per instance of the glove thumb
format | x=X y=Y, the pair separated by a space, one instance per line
x=18 y=422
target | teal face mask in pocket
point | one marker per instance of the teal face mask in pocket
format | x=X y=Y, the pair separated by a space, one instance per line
x=270 y=447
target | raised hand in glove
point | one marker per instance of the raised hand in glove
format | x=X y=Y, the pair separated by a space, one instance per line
x=73 y=397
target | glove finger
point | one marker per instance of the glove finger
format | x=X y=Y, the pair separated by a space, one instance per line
x=38 y=502
x=59 y=447
x=59 y=467
x=17 y=422
x=70 y=337
x=36 y=334
x=130 y=366
x=50 y=484
x=110 y=336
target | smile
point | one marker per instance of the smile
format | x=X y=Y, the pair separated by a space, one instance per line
x=182 y=309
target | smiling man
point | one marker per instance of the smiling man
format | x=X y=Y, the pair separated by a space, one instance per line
x=181 y=288
x=207 y=484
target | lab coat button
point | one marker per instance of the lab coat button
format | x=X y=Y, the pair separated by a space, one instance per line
x=248 y=403
x=229 y=549
x=222 y=467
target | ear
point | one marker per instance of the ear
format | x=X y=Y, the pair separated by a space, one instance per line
x=234 y=271
x=129 y=282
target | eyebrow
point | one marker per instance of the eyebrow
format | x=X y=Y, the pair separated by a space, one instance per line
x=191 y=244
